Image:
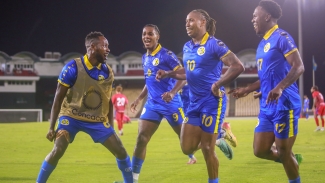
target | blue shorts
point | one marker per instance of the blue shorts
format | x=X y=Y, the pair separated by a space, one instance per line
x=155 y=114
x=99 y=131
x=283 y=124
x=208 y=115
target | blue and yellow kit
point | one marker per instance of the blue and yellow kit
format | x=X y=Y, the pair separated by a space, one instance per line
x=156 y=108
x=203 y=66
x=282 y=117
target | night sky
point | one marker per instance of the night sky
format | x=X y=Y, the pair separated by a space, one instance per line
x=52 y=25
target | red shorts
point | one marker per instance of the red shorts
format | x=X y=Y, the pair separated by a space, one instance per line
x=321 y=109
x=119 y=116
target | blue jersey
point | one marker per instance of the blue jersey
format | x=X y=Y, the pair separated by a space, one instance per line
x=68 y=75
x=306 y=104
x=184 y=93
x=273 y=67
x=203 y=66
x=163 y=59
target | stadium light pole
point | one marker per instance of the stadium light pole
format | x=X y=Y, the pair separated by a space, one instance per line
x=301 y=78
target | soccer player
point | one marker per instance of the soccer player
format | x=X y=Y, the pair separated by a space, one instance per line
x=306 y=107
x=82 y=103
x=318 y=107
x=279 y=66
x=163 y=99
x=225 y=131
x=203 y=58
x=120 y=102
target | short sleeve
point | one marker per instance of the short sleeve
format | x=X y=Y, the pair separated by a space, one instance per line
x=286 y=44
x=172 y=61
x=220 y=49
x=68 y=75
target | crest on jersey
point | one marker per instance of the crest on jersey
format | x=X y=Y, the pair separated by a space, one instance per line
x=201 y=50
x=267 y=47
x=155 y=62
x=149 y=72
x=65 y=122
x=101 y=79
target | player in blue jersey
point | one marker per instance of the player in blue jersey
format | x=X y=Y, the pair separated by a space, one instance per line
x=203 y=58
x=306 y=107
x=82 y=103
x=279 y=66
x=225 y=133
x=163 y=101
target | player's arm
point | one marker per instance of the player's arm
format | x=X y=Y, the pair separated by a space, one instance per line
x=244 y=91
x=168 y=96
x=235 y=68
x=110 y=113
x=60 y=93
x=135 y=103
x=297 y=68
x=178 y=74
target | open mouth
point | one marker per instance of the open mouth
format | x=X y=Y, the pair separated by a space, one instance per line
x=147 y=42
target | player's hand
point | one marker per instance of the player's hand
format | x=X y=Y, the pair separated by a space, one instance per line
x=238 y=92
x=274 y=95
x=216 y=91
x=50 y=135
x=161 y=74
x=257 y=94
x=168 y=96
x=133 y=107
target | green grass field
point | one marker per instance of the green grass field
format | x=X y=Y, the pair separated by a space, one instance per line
x=24 y=146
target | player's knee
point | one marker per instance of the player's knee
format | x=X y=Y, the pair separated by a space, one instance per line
x=260 y=153
x=207 y=150
x=56 y=153
x=142 y=139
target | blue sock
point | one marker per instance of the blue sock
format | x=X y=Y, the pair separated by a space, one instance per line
x=190 y=156
x=214 y=180
x=45 y=172
x=136 y=164
x=126 y=169
x=297 y=180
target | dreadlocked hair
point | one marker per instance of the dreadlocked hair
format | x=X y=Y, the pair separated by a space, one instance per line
x=211 y=23
x=153 y=26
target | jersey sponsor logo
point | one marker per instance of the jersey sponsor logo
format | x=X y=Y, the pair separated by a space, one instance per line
x=101 y=79
x=155 y=62
x=92 y=99
x=149 y=72
x=143 y=111
x=88 y=116
x=65 y=122
x=201 y=50
x=267 y=47
x=283 y=34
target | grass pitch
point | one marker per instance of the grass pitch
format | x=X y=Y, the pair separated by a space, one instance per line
x=23 y=147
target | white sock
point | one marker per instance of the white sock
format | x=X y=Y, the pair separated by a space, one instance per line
x=217 y=142
x=135 y=176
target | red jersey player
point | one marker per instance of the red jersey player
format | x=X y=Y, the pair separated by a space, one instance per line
x=120 y=102
x=318 y=107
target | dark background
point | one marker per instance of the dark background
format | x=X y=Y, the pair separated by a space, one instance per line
x=55 y=25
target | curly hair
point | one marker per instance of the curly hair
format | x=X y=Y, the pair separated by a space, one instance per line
x=92 y=37
x=271 y=7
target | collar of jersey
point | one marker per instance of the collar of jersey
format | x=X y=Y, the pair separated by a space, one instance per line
x=155 y=51
x=88 y=64
x=204 y=39
x=269 y=32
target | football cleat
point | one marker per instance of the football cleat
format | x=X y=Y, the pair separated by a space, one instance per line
x=229 y=135
x=191 y=161
x=225 y=148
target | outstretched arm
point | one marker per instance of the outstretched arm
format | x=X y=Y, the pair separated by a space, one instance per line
x=297 y=68
x=235 y=68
